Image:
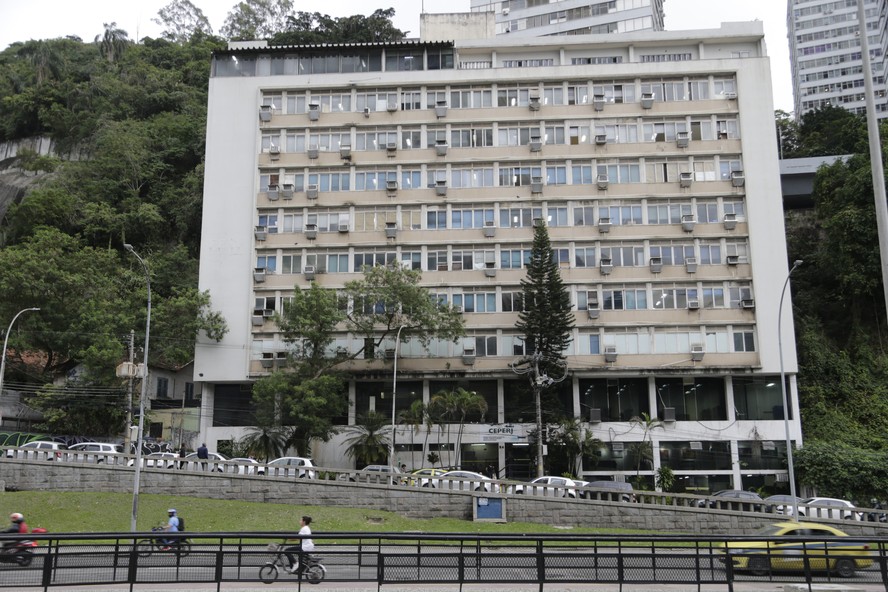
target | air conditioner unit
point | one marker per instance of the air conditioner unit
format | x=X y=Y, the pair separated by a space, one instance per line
x=441 y=109
x=505 y=11
x=391 y=229
x=594 y=415
x=390 y=353
x=598 y=102
x=391 y=146
x=738 y=179
x=441 y=187
x=490 y=269
x=311 y=192
x=668 y=414
x=274 y=152
x=267 y=361
x=313 y=152
x=343 y=227
x=468 y=356
x=261 y=233
x=272 y=192
x=309 y=272
x=730 y=221
x=697 y=353
x=535 y=144
x=257 y=319
x=647 y=100
x=536 y=185
x=604 y=225
x=287 y=191
x=345 y=151
x=688 y=221
x=268 y=313
x=693 y=304
x=366 y=111
x=656 y=264
x=691 y=264
x=603 y=182
x=489 y=229
x=601 y=139
x=606 y=265
x=732 y=259
x=265 y=112
x=593 y=313
x=685 y=179
x=311 y=231
x=682 y=139
x=747 y=303
x=314 y=112
x=730 y=95
x=441 y=147
x=391 y=107
x=391 y=186
x=534 y=103
x=259 y=274
x=610 y=354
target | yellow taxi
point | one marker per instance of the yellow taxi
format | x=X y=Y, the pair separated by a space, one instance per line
x=829 y=553
x=417 y=476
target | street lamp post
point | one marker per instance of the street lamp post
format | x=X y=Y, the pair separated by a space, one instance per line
x=5 y=344
x=792 y=489
x=142 y=396
x=394 y=398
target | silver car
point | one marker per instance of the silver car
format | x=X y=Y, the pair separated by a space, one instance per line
x=38 y=449
x=96 y=452
x=461 y=480
x=549 y=486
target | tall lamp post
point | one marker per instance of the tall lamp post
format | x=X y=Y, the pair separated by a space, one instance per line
x=792 y=489
x=142 y=396
x=394 y=398
x=5 y=343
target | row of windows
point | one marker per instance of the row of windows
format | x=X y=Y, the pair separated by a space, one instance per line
x=463 y=217
x=656 y=169
x=499 y=95
x=573 y=132
x=629 y=341
x=701 y=252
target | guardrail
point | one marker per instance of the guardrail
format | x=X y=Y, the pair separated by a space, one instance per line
x=386 y=559
x=500 y=487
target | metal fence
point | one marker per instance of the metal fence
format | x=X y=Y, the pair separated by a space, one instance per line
x=385 y=559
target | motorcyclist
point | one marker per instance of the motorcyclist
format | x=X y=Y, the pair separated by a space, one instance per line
x=17 y=526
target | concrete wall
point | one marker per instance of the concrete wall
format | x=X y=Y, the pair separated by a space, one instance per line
x=22 y=475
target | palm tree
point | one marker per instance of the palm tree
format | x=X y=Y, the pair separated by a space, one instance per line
x=576 y=442
x=415 y=418
x=456 y=404
x=266 y=442
x=46 y=59
x=644 y=450
x=113 y=43
x=368 y=442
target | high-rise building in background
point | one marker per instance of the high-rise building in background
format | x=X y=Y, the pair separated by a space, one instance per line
x=650 y=157
x=824 y=50
x=538 y=18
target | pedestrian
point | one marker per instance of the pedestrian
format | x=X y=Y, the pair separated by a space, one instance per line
x=305 y=547
x=183 y=452
x=403 y=468
x=203 y=456
x=491 y=471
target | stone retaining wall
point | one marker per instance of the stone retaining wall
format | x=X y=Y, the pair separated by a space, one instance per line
x=24 y=475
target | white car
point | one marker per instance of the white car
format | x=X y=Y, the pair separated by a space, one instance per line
x=215 y=462
x=291 y=466
x=549 y=486
x=461 y=480
x=160 y=460
x=96 y=452
x=245 y=466
x=38 y=449
x=824 y=507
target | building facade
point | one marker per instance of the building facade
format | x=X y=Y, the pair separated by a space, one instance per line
x=825 y=54
x=538 y=18
x=658 y=181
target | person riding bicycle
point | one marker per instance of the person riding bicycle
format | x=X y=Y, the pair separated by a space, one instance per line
x=17 y=526
x=304 y=548
x=172 y=525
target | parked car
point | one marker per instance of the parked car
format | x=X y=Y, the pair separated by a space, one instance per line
x=615 y=491
x=97 y=452
x=38 y=449
x=245 y=466
x=215 y=462
x=825 y=507
x=292 y=466
x=160 y=460
x=733 y=499
x=833 y=554
x=377 y=474
x=549 y=486
x=774 y=504
x=417 y=475
x=462 y=480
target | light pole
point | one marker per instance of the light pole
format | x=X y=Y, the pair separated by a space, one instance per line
x=394 y=398
x=143 y=395
x=792 y=489
x=5 y=343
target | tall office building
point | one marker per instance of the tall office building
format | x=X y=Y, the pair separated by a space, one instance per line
x=824 y=50
x=538 y=18
x=655 y=177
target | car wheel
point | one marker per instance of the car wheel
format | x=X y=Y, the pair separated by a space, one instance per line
x=759 y=566
x=845 y=568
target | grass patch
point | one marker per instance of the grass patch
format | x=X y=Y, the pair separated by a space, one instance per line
x=74 y=512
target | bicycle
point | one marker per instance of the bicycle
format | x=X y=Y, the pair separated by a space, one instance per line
x=314 y=571
x=179 y=546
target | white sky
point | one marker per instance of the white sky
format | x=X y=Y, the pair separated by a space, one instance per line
x=21 y=20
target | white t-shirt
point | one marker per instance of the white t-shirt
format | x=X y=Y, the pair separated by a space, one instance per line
x=307 y=544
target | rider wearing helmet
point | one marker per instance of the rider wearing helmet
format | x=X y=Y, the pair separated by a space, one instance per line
x=172 y=525
x=17 y=526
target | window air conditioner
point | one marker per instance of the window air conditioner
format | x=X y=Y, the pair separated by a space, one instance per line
x=441 y=187
x=730 y=95
x=534 y=103
x=738 y=179
x=697 y=353
x=345 y=151
x=441 y=109
x=391 y=107
x=313 y=152
x=730 y=221
x=693 y=304
x=691 y=264
x=656 y=264
x=688 y=221
x=647 y=100
x=391 y=146
x=311 y=192
x=733 y=259
x=610 y=354
x=594 y=415
x=601 y=139
x=685 y=179
x=669 y=414
x=441 y=147
x=604 y=224
x=603 y=181
x=314 y=112
x=682 y=139
x=747 y=303
x=391 y=186
x=265 y=112
x=287 y=191
x=468 y=356
x=311 y=231
x=309 y=271
x=598 y=102
x=536 y=185
x=343 y=227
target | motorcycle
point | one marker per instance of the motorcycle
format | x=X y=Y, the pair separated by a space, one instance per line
x=20 y=552
x=179 y=546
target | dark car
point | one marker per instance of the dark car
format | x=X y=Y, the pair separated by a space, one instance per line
x=732 y=499
x=776 y=503
x=615 y=491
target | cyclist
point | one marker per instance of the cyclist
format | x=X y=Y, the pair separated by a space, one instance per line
x=305 y=547
x=172 y=525
x=17 y=526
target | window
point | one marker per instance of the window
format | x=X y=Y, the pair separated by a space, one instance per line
x=512 y=97
x=516 y=136
x=668 y=213
x=514 y=258
x=330 y=181
x=471 y=98
x=472 y=177
x=556 y=216
x=710 y=253
x=519 y=217
x=625 y=299
x=471 y=137
x=479 y=302
x=707 y=212
x=512 y=301
x=737 y=294
x=672 y=254
x=621 y=215
x=374 y=259
x=624 y=256
x=616 y=92
x=375 y=139
x=411 y=139
x=373 y=180
x=437 y=261
x=672 y=298
x=329 y=140
x=471 y=218
x=269 y=222
x=519 y=176
x=485 y=345
x=584 y=216
x=584 y=257
x=556 y=175
x=333 y=102
x=411 y=179
x=412 y=260
x=737 y=249
x=291 y=264
x=163 y=384
x=713 y=297
x=436 y=220
x=411 y=100
x=267 y=262
x=744 y=340
x=736 y=207
x=630 y=340
x=621 y=172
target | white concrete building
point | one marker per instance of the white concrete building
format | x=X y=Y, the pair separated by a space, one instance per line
x=658 y=179
x=824 y=50
x=538 y=18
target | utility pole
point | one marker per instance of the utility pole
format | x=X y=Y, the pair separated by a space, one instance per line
x=539 y=380
x=127 y=438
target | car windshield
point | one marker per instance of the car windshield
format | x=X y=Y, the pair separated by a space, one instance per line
x=769 y=530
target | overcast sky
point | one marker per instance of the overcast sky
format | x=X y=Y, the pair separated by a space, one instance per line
x=21 y=20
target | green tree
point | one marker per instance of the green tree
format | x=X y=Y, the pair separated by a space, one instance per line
x=415 y=417
x=570 y=443
x=265 y=442
x=455 y=405
x=831 y=131
x=643 y=450
x=113 y=42
x=368 y=442
x=257 y=19
x=181 y=21
x=305 y=28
